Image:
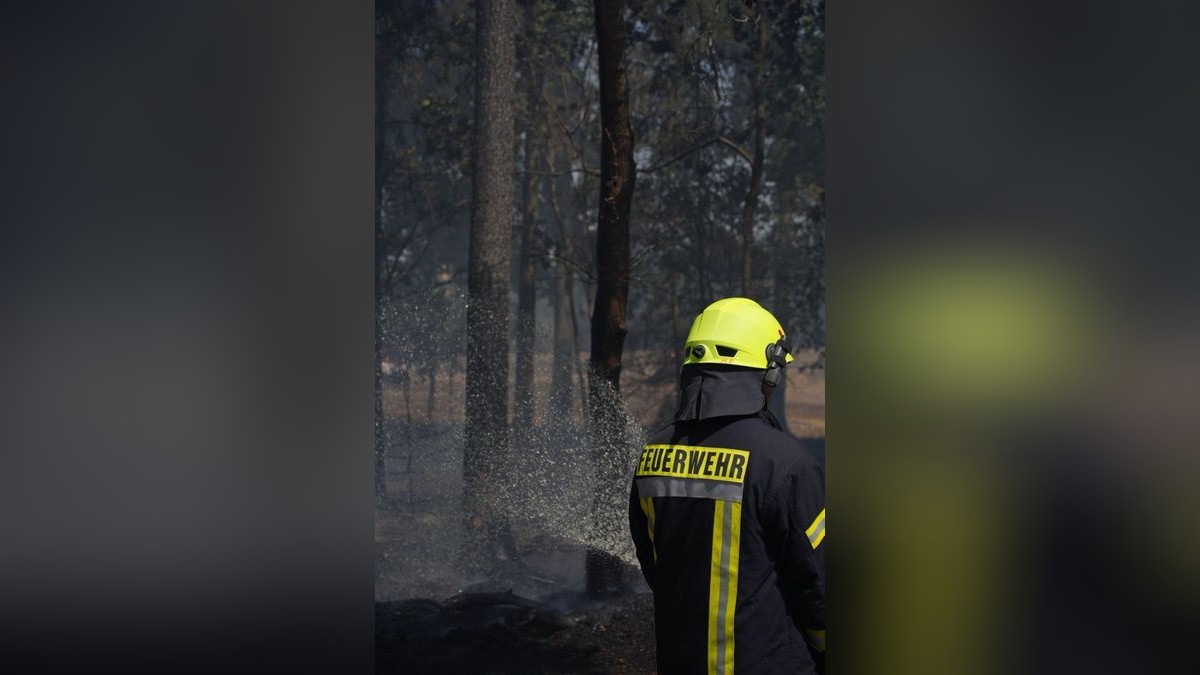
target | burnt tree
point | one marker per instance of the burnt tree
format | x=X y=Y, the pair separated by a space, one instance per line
x=523 y=395
x=606 y=416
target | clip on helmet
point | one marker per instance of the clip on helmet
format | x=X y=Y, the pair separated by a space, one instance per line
x=778 y=354
x=739 y=332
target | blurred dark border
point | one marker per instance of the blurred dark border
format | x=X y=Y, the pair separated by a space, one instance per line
x=1012 y=331
x=187 y=351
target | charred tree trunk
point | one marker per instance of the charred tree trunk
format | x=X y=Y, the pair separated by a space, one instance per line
x=485 y=457
x=750 y=207
x=606 y=416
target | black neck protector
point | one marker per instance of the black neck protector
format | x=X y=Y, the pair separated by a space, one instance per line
x=718 y=390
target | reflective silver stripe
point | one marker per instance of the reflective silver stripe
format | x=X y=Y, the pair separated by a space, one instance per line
x=657 y=486
x=723 y=602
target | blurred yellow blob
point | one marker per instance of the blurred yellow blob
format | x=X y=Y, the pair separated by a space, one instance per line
x=969 y=326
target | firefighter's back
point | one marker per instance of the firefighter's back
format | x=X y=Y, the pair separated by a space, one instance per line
x=708 y=490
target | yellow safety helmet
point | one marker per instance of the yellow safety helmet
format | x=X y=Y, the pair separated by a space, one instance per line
x=733 y=331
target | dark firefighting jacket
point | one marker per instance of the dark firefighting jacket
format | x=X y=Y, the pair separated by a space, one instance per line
x=727 y=514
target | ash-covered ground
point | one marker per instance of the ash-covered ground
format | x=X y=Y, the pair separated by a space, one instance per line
x=499 y=633
x=529 y=613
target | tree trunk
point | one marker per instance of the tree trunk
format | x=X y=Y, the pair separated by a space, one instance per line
x=380 y=436
x=606 y=416
x=408 y=378
x=756 y=167
x=485 y=457
x=381 y=59
x=432 y=374
x=566 y=333
x=778 y=402
x=678 y=334
x=562 y=382
x=526 y=295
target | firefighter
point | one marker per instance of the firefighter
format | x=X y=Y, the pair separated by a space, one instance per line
x=727 y=511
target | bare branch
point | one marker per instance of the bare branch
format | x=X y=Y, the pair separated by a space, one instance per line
x=737 y=148
x=587 y=170
x=662 y=165
x=562 y=125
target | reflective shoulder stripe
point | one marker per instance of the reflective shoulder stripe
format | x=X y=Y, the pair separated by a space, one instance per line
x=816 y=531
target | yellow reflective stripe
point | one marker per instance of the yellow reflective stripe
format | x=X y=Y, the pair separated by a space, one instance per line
x=818 y=521
x=816 y=531
x=722 y=585
x=648 y=509
x=816 y=638
x=714 y=584
x=735 y=546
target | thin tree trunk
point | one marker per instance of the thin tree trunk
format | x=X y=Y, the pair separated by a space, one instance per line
x=561 y=398
x=526 y=294
x=485 y=457
x=380 y=261
x=580 y=369
x=566 y=348
x=432 y=374
x=778 y=403
x=575 y=373
x=380 y=435
x=408 y=397
x=750 y=207
x=677 y=327
x=452 y=406
x=606 y=416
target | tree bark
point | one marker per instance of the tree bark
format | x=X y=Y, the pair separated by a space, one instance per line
x=526 y=292
x=429 y=402
x=606 y=416
x=778 y=401
x=562 y=387
x=381 y=62
x=485 y=457
x=750 y=206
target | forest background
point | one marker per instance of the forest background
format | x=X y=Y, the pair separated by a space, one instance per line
x=723 y=191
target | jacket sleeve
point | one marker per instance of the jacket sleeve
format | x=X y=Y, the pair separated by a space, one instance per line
x=639 y=529
x=798 y=508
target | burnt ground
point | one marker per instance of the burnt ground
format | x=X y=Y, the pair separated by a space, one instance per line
x=501 y=633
